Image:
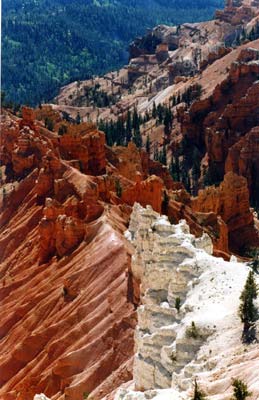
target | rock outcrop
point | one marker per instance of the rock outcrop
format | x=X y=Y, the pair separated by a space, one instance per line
x=68 y=288
x=67 y=310
x=160 y=264
x=231 y=201
x=188 y=325
x=148 y=192
x=243 y=159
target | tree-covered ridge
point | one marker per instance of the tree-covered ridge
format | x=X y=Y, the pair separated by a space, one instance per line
x=48 y=43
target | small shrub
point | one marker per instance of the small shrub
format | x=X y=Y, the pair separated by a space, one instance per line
x=178 y=303
x=49 y=124
x=192 y=331
x=240 y=391
x=254 y=264
x=62 y=130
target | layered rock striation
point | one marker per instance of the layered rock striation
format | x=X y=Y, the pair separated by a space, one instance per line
x=67 y=312
x=188 y=324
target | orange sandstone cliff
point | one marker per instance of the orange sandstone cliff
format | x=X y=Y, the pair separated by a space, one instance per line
x=68 y=296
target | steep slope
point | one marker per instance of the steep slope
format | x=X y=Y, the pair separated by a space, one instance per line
x=67 y=317
x=202 y=339
x=193 y=90
x=50 y=43
x=67 y=291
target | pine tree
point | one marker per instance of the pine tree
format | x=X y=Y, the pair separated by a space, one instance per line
x=160 y=113
x=178 y=304
x=254 y=264
x=247 y=309
x=78 y=119
x=128 y=127
x=49 y=124
x=156 y=153
x=154 y=110
x=137 y=138
x=175 y=168
x=135 y=120
x=168 y=119
x=148 y=145
x=240 y=390
x=62 y=130
x=163 y=156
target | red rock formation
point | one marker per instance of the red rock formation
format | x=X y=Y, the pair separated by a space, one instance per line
x=84 y=144
x=145 y=192
x=237 y=12
x=66 y=287
x=180 y=207
x=28 y=118
x=231 y=201
x=243 y=159
x=228 y=107
x=66 y=300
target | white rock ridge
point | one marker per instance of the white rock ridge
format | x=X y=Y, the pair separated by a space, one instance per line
x=40 y=397
x=172 y=266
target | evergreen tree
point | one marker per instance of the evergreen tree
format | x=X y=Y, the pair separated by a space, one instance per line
x=78 y=119
x=168 y=121
x=254 y=264
x=137 y=138
x=49 y=124
x=156 y=153
x=135 y=120
x=148 y=145
x=160 y=113
x=247 y=309
x=240 y=390
x=62 y=130
x=178 y=304
x=154 y=110
x=175 y=168
x=128 y=127
x=162 y=156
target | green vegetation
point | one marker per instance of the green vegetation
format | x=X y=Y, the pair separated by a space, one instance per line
x=185 y=165
x=247 y=310
x=178 y=303
x=62 y=130
x=49 y=43
x=240 y=390
x=254 y=264
x=192 y=331
x=242 y=36
x=49 y=124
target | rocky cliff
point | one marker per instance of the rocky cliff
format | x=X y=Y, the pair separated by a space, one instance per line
x=182 y=134
x=188 y=325
x=67 y=312
x=206 y=77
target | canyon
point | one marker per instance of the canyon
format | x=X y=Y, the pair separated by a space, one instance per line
x=102 y=230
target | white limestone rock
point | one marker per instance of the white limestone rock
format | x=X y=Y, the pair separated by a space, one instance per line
x=171 y=263
x=40 y=397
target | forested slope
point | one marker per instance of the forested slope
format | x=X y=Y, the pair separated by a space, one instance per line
x=48 y=43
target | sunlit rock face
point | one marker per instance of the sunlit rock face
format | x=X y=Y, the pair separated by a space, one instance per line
x=188 y=324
